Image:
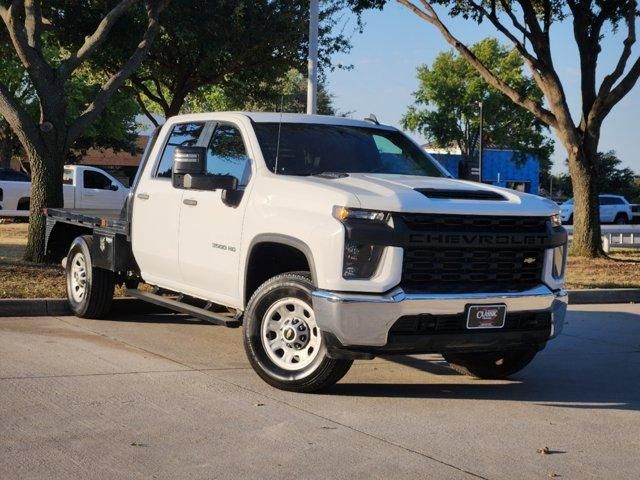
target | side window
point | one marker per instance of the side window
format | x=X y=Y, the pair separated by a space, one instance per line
x=67 y=176
x=226 y=154
x=96 y=180
x=182 y=135
x=606 y=201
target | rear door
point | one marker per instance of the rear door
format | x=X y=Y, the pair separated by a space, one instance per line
x=156 y=209
x=211 y=221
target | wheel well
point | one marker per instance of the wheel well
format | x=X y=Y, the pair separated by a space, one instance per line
x=24 y=203
x=60 y=238
x=269 y=259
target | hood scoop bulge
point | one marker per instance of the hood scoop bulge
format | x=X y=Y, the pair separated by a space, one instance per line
x=450 y=194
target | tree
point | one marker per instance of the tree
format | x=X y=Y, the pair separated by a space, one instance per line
x=446 y=108
x=527 y=24
x=239 y=47
x=114 y=128
x=288 y=93
x=611 y=177
x=33 y=26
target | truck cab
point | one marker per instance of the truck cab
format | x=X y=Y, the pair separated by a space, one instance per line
x=329 y=239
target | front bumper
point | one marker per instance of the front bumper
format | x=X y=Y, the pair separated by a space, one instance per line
x=364 y=320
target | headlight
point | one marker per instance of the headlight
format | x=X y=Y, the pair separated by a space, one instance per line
x=343 y=214
x=361 y=260
x=556 y=220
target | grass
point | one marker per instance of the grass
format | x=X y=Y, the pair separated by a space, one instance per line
x=22 y=280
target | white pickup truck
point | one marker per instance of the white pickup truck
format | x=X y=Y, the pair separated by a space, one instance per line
x=328 y=239
x=84 y=187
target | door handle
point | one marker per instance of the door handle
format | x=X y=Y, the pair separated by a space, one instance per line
x=189 y=201
x=143 y=196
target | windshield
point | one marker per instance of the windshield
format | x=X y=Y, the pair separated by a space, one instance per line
x=309 y=149
x=569 y=202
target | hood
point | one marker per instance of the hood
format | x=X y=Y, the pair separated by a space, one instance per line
x=418 y=194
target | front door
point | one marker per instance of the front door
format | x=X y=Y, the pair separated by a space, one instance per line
x=156 y=211
x=211 y=221
x=100 y=191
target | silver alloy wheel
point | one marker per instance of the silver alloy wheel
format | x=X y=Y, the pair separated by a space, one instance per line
x=290 y=335
x=78 y=278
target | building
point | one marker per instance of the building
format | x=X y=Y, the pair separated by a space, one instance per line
x=501 y=168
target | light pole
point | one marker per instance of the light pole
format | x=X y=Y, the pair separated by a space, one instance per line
x=480 y=142
x=312 y=82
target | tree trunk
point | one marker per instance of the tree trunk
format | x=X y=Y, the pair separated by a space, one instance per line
x=46 y=191
x=6 y=147
x=587 y=240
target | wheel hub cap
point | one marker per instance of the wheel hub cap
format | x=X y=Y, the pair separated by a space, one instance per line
x=78 y=280
x=290 y=335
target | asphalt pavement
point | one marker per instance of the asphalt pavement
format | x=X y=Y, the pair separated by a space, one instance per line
x=163 y=396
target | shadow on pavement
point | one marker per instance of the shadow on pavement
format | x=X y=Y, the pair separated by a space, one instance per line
x=168 y=318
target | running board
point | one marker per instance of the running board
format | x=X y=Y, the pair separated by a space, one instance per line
x=176 y=305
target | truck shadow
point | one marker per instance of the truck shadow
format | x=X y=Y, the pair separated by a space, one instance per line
x=537 y=391
x=595 y=364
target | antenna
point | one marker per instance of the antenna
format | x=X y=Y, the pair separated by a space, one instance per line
x=372 y=118
x=279 y=131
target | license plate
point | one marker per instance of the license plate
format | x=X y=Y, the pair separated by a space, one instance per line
x=486 y=316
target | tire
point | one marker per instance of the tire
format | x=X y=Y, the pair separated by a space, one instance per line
x=621 y=219
x=491 y=365
x=89 y=289
x=281 y=307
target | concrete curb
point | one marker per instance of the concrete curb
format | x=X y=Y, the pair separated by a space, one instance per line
x=604 y=295
x=35 y=307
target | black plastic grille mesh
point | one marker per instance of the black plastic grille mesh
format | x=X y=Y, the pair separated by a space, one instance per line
x=428 y=324
x=472 y=269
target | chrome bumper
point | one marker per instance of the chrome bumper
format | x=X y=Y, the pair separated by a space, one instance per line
x=365 y=320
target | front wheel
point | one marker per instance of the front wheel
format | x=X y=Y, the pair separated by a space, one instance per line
x=89 y=289
x=282 y=339
x=491 y=365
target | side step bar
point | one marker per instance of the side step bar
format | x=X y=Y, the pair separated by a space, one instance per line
x=178 y=306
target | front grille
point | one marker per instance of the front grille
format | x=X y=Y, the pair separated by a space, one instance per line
x=474 y=223
x=431 y=324
x=470 y=270
x=484 y=268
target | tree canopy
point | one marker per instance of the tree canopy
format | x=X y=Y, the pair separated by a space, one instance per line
x=242 y=48
x=446 y=110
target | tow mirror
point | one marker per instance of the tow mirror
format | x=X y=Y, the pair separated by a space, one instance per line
x=187 y=161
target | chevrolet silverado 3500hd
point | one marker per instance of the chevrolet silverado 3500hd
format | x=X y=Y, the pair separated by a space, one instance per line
x=328 y=239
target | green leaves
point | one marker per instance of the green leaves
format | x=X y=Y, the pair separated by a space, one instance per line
x=446 y=109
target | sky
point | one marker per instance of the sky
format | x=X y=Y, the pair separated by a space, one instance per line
x=395 y=42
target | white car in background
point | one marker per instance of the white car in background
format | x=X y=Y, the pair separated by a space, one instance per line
x=613 y=209
x=84 y=187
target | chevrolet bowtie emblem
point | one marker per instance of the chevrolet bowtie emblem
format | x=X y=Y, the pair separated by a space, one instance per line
x=530 y=260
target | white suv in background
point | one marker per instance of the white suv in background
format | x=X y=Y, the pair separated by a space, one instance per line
x=613 y=209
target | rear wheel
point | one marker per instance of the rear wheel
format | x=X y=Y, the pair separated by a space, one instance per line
x=89 y=289
x=282 y=339
x=621 y=219
x=491 y=365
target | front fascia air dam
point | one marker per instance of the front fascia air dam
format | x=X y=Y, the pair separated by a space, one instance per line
x=365 y=320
